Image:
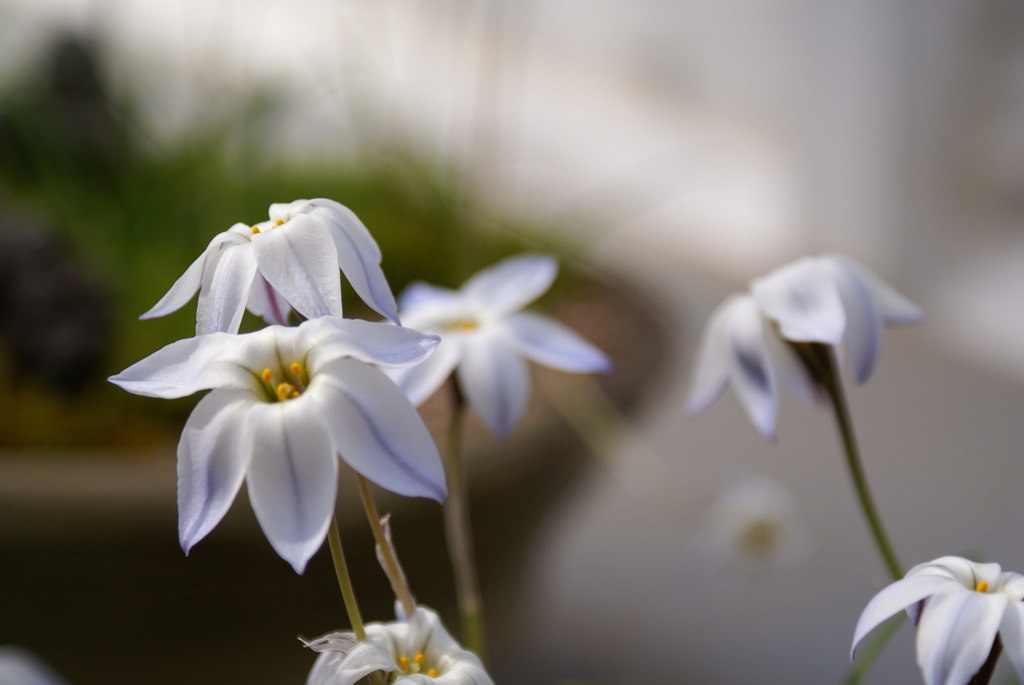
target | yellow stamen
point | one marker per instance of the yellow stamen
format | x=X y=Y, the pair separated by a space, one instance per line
x=286 y=391
x=418 y=658
x=296 y=368
x=464 y=325
x=982 y=586
x=255 y=230
x=266 y=375
x=403 y=662
x=432 y=673
x=279 y=222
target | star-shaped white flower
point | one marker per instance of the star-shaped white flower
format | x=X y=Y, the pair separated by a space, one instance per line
x=415 y=652
x=289 y=261
x=285 y=402
x=959 y=607
x=828 y=299
x=485 y=338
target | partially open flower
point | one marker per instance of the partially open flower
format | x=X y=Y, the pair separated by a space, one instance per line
x=285 y=402
x=418 y=651
x=485 y=338
x=289 y=261
x=750 y=338
x=959 y=607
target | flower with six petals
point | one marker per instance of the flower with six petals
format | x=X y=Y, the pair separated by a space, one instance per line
x=828 y=299
x=415 y=652
x=289 y=261
x=285 y=402
x=485 y=338
x=959 y=607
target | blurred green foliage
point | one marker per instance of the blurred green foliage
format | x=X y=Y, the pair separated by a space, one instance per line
x=134 y=217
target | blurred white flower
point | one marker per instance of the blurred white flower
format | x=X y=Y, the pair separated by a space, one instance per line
x=285 y=402
x=485 y=337
x=415 y=652
x=959 y=607
x=754 y=523
x=828 y=299
x=289 y=261
x=20 y=667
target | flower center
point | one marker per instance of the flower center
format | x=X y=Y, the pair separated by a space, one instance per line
x=285 y=385
x=256 y=229
x=461 y=326
x=415 y=665
x=759 y=537
x=982 y=586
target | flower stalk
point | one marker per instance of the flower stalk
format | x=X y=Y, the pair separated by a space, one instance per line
x=348 y=594
x=821 y=362
x=458 y=533
x=389 y=560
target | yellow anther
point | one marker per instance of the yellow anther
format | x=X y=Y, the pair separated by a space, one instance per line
x=255 y=230
x=403 y=662
x=418 y=658
x=296 y=368
x=432 y=673
x=982 y=586
x=279 y=222
x=286 y=391
x=266 y=375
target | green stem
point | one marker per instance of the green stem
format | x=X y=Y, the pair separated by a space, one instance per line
x=389 y=560
x=829 y=377
x=345 y=581
x=457 y=530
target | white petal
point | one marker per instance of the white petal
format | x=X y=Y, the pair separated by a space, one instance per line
x=895 y=598
x=548 y=342
x=863 y=333
x=226 y=289
x=895 y=308
x=292 y=477
x=333 y=668
x=956 y=633
x=802 y=299
x=419 y=294
x=1011 y=630
x=213 y=454
x=377 y=343
x=188 y=283
x=358 y=256
x=421 y=381
x=496 y=382
x=750 y=367
x=298 y=259
x=266 y=302
x=791 y=372
x=184 y=367
x=377 y=430
x=511 y=284
x=711 y=370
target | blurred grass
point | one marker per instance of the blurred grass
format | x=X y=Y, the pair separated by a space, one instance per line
x=133 y=216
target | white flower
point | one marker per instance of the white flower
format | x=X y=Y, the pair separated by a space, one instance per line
x=485 y=336
x=415 y=652
x=285 y=401
x=829 y=299
x=290 y=260
x=959 y=607
x=754 y=523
